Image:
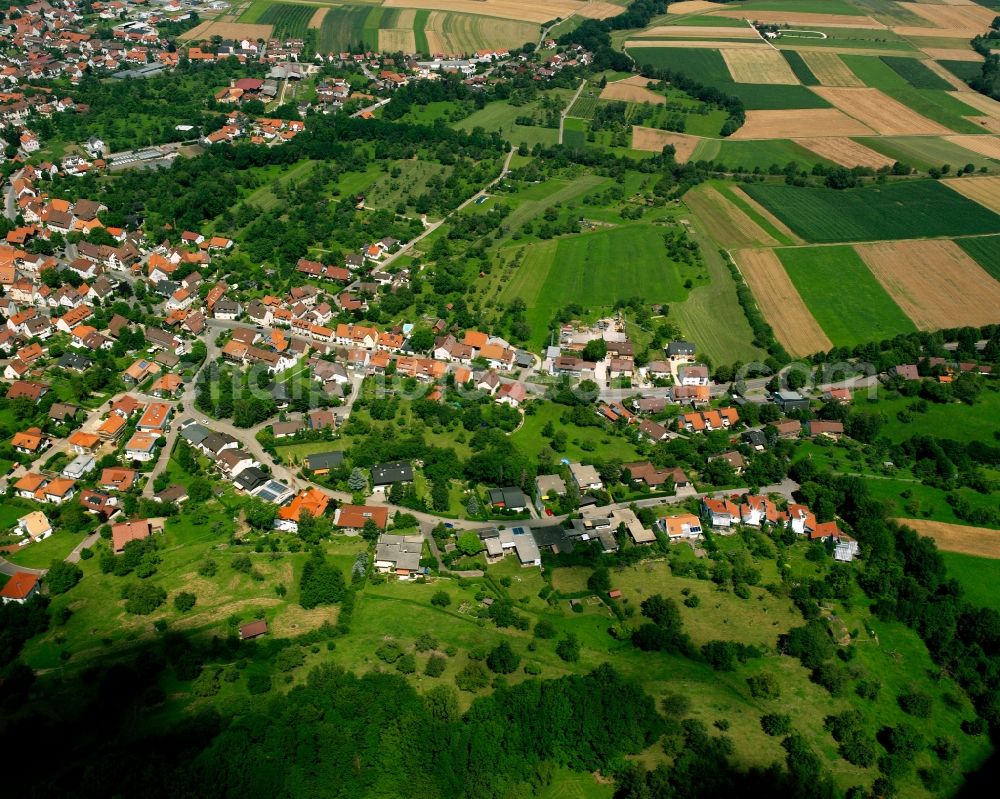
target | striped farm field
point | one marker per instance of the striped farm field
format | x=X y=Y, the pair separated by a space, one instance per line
x=454 y=33
x=830 y=70
x=875 y=213
x=879 y=111
x=865 y=313
x=290 y=21
x=758 y=66
x=987 y=145
x=794 y=326
x=846 y=152
x=523 y=10
x=724 y=221
x=344 y=27
x=986 y=252
x=934 y=281
x=985 y=191
x=800 y=67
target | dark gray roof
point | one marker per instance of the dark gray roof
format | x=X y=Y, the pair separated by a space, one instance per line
x=194 y=433
x=73 y=361
x=324 y=460
x=214 y=442
x=509 y=497
x=250 y=478
x=384 y=474
x=680 y=348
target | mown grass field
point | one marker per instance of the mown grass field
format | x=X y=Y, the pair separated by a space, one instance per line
x=985 y=251
x=584 y=443
x=800 y=68
x=926 y=152
x=979 y=578
x=914 y=209
x=959 y=422
x=863 y=313
x=916 y=73
x=762 y=153
x=595 y=270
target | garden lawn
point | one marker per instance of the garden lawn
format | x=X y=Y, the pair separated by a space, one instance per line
x=958 y=422
x=40 y=554
x=978 y=576
x=916 y=209
x=585 y=443
x=844 y=297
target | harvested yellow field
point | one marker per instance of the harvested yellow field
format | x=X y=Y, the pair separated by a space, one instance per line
x=518 y=10
x=760 y=65
x=980 y=541
x=316 y=21
x=984 y=145
x=980 y=102
x=458 y=34
x=782 y=306
x=756 y=45
x=397 y=40
x=699 y=32
x=846 y=152
x=990 y=124
x=805 y=18
x=692 y=7
x=227 y=30
x=725 y=222
x=934 y=282
x=880 y=112
x=406 y=18
x=830 y=69
x=952 y=54
x=599 y=10
x=761 y=211
x=985 y=191
x=799 y=124
x=971 y=19
x=653 y=140
x=632 y=92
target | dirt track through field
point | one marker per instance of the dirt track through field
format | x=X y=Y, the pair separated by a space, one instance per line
x=934 y=282
x=980 y=102
x=692 y=7
x=985 y=190
x=757 y=45
x=632 y=92
x=952 y=54
x=520 y=10
x=598 y=10
x=983 y=145
x=980 y=541
x=846 y=152
x=698 y=32
x=776 y=223
x=803 y=123
x=316 y=21
x=762 y=65
x=653 y=141
x=880 y=112
x=804 y=18
x=227 y=30
x=970 y=19
x=782 y=306
x=727 y=224
x=830 y=70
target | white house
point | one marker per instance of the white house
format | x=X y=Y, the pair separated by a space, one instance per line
x=35 y=526
x=585 y=476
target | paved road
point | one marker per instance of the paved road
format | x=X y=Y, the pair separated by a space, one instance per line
x=89 y=541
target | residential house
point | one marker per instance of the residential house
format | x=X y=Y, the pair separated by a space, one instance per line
x=585 y=476
x=155 y=419
x=58 y=491
x=84 y=443
x=34 y=525
x=790 y=401
x=320 y=463
x=680 y=526
x=30 y=442
x=385 y=475
x=354 y=517
x=253 y=629
x=547 y=487
x=141 y=447
x=722 y=513
x=126 y=532
x=311 y=500
x=695 y=374
x=733 y=458
x=118 y=479
x=21 y=587
x=499 y=543
x=398 y=554
x=79 y=467
x=509 y=498
x=821 y=427
x=787 y=428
